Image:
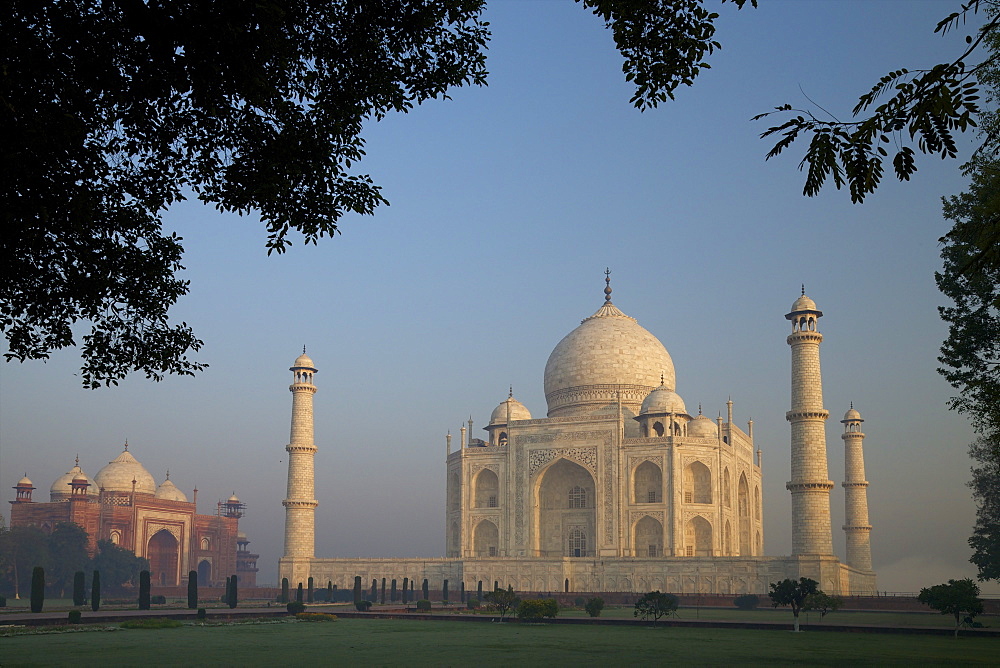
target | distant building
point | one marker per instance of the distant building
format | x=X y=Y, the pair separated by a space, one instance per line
x=123 y=504
x=620 y=487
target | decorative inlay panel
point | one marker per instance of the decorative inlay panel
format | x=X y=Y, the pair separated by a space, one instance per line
x=585 y=457
x=637 y=515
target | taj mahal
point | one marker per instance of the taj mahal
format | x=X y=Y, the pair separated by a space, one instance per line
x=620 y=487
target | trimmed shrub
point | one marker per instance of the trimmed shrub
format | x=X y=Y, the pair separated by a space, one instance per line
x=159 y=599
x=201 y=613
x=382 y=600
x=79 y=589
x=315 y=617
x=472 y=603
x=392 y=592
x=374 y=594
x=295 y=607
x=310 y=596
x=284 y=591
x=423 y=587
x=461 y=591
x=95 y=591
x=3 y=601
x=424 y=605
x=37 y=588
x=233 y=598
x=746 y=601
x=406 y=590
x=579 y=601
x=192 y=590
x=74 y=616
x=363 y=606
x=593 y=606
x=298 y=593
x=444 y=592
x=537 y=608
x=357 y=589
x=144 y=590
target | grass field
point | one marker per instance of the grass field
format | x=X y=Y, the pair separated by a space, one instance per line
x=372 y=642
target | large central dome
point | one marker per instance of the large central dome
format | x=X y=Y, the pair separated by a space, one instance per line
x=608 y=352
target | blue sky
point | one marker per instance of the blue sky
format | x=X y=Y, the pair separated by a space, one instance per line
x=508 y=202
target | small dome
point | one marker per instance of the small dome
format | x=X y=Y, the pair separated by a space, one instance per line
x=852 y=415
x=24 y=482
x=663 y=400
x=303 y=361
x=518 y=411
x=61 y=487
x=170 y=492
x=118 y=475
x=233 y=499
x=703 y=427
x=803 y=303
x=240 y=534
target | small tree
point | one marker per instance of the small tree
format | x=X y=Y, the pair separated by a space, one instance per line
x=193 y=590
x=504 y=601
x=309 y=591
x=233 y=598
x=424 y=588
x=144 y=590
x=959 y=598
x=79 y=588
x=37 y=588
x=792 y=593
x=654 y=605
x=822 y=603
x=747 y=601
x=284 y=590
x=537 y=608
x=406 y=584
x=357 y=589
x=382 y=599
x=594 y=606
x=95 y=591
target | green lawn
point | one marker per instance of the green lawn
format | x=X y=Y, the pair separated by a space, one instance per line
x=372 y=642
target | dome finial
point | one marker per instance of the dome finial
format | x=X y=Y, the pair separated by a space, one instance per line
x=303 y=349
x=803 y=289
x=168 y=474
x=78 y=455
x=607 y=285
x=126 y=445
x=510 y=395
x=699 y=408
x=661 y=378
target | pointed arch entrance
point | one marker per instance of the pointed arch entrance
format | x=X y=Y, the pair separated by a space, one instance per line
x=565 y=516
x=163 y=553
x=205 y=573
x=647 y=538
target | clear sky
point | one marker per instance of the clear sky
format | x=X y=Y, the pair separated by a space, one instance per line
x=508 y=202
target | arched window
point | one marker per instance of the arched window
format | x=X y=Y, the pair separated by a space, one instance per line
x=577 y=497
x=206 y=544
x=658 y=428
x=116 y=538
x=577 y=543
x=503 y=438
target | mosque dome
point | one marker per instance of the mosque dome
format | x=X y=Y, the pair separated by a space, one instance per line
x=25 y=482
x=170 y=492
x=518 y=411
x=233 y=499
x=608 y=353
x=852 y=415
x=663 y=400
x=118 y=475
x=61 y=488
x=703 y=427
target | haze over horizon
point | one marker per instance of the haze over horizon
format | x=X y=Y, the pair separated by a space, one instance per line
x=508 y=202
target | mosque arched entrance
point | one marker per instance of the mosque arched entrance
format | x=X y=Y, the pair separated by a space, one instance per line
x=204 y=572
x=163 y=553
x=565 y=511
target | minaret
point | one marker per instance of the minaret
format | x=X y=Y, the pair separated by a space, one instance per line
x=810 y=485
x=300 y=506
x=859 y=547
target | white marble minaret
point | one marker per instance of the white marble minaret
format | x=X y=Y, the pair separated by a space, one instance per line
x=859 y=547
x=300 y=504
x=810 y=484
